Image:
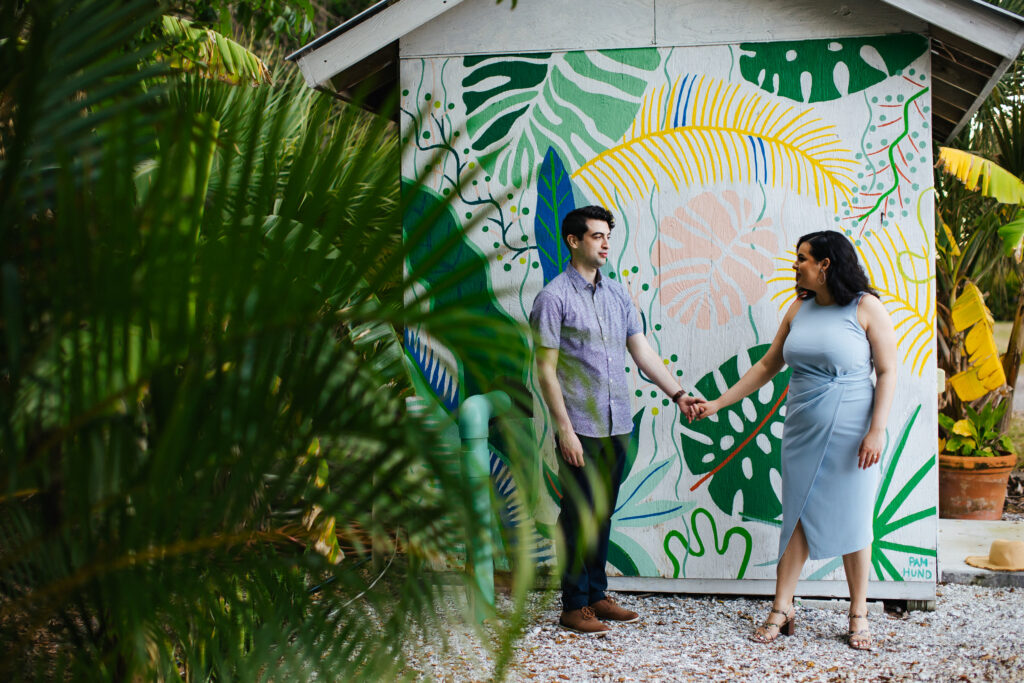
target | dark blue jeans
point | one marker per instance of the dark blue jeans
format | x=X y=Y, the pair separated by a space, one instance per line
x=584 y=580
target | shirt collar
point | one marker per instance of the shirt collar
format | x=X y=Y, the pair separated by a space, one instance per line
x=579 y=282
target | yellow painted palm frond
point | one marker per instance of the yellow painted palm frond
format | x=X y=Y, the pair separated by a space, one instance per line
x=782 y=282
x=701 y=130
x=986 y=371
x=976 y=173
x=904 y=282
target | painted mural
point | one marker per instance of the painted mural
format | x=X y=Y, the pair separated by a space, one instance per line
x=714 y=161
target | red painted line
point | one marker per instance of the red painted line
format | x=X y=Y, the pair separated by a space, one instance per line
x=743 y=445
x=901 y=173
x=552 y=483
x=889 y=123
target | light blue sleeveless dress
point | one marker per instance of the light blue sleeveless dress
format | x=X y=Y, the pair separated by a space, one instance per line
x=828 y=412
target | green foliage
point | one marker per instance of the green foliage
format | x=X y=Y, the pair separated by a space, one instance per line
x=778 y=67
x=978 y=434
x=288 y=20
x=211 y=54
x=201 y=293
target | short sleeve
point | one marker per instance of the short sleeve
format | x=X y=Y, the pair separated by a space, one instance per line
x=633 y=325
x=546 y=319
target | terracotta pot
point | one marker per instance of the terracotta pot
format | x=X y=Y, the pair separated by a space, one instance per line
x=973 y=488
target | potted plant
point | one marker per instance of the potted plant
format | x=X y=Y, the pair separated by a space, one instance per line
x=975 y=460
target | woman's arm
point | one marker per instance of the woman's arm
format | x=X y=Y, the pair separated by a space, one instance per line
x=762 y=371
x=882 y=337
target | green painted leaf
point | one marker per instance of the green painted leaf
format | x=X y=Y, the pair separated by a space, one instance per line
x=891 y=515
x=440 y=251
x=779 y=67
x=579 y=103
x=737 y=449
x=628 y=556
x=619 y=558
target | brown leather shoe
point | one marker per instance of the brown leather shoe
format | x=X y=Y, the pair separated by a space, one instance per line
x=583 y=621
x=613 y=611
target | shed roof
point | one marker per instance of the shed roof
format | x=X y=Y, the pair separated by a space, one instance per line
x=973 y=44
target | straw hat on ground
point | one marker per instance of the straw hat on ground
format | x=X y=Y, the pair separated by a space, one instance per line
x=1004 y=555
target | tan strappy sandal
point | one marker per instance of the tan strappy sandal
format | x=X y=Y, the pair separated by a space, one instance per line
x=769 y=630
x=859 y=639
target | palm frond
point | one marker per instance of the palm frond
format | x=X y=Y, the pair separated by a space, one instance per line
x=701 y=131
x=978 y=173
x=210 y=54
x=190 y=302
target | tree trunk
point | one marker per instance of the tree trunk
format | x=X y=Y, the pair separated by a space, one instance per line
x=1011 y=360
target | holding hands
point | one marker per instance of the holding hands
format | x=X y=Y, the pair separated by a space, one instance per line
x=691 y=406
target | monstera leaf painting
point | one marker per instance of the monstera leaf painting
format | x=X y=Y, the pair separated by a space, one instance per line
x=440 y=252
x=554 y=201
x=836 y=67
x=737 y=449
x=519 y=106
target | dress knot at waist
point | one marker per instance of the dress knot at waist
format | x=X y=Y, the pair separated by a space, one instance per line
x=851 y=378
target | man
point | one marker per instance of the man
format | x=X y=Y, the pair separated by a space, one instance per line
x=585 y=323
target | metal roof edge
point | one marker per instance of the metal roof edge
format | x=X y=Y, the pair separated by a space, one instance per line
x=937 y=13
x=367 y=13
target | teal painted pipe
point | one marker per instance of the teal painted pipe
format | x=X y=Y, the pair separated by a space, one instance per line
x=474 y=415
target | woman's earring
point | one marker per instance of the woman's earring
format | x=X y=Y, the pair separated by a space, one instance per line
x=821 y=276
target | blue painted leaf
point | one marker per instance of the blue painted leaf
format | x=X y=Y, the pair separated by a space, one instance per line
x=554 y=201
x=433 y=372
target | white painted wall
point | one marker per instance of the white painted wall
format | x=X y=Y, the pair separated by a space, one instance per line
x=482 y=26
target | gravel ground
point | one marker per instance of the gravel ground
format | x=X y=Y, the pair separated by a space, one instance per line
x=974 y=634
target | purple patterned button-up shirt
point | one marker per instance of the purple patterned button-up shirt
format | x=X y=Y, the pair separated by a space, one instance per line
x=589 y=325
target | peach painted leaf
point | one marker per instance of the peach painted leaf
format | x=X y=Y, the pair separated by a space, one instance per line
x=714 y=257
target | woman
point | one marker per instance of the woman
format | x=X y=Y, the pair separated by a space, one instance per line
x=831 y=337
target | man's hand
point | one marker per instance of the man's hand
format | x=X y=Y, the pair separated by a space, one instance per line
x=690 y=406
x=569 y=444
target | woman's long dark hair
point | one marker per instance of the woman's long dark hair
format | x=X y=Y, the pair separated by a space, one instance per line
x=845 y=278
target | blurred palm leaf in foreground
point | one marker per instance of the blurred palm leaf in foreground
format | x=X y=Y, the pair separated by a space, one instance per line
x=198 y=381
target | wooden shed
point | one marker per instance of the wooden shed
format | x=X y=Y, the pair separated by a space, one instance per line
x=717 y=133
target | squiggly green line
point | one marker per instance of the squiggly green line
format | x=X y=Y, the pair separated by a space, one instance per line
x=892 y=146
x=650 y=253
x=720 y=549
